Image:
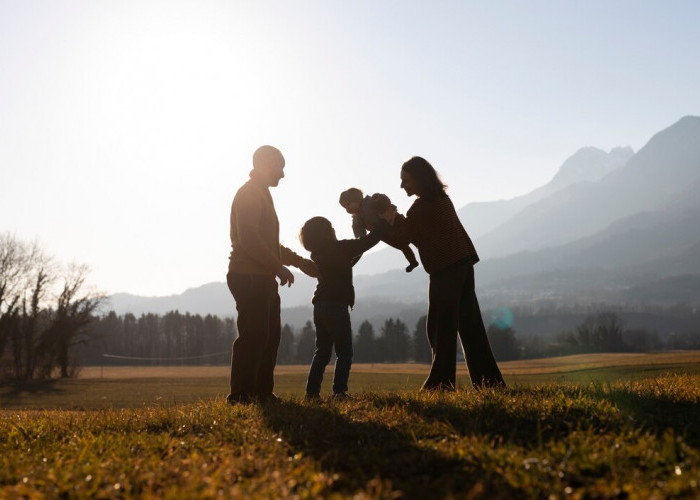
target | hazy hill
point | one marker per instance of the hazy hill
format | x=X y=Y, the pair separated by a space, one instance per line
x=652 y=178
x=649 y=213
x=651 y=242
x=212 y=298
x=395 y=294
x=587 y=164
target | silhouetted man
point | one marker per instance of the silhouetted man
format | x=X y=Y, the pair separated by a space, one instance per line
x=256 y=259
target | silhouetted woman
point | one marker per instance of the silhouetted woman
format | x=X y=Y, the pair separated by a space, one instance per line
x=448 y=255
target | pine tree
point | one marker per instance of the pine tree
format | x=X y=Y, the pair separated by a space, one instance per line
x=504 y=345
x=394 y=342
x=365 y=344
x=285 y=352
x=422 y=353
x=307 y=344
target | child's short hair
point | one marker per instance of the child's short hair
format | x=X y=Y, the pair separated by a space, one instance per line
x=350 y=195
x=315 y=233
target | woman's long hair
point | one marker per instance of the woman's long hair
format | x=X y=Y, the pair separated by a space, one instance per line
x=430 y=187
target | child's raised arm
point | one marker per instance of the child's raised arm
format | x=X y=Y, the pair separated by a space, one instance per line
x=359 y=246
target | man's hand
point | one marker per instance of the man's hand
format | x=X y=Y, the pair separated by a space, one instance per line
x=285 y=275
x=309 y=268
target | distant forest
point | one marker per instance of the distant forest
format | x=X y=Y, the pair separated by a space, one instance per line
x=186 y=339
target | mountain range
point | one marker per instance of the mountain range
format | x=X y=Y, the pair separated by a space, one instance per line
x=588 y=164
x=614 y=226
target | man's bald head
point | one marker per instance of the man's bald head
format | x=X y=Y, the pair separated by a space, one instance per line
x=264 y=156
x=268 y=163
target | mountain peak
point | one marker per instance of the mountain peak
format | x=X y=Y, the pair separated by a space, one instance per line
x=590 y=164
x=689 y=119
x=623 y=150
x=667 y=162
x=684 y=129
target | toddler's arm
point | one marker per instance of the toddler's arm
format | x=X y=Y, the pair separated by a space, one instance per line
x=358 y=227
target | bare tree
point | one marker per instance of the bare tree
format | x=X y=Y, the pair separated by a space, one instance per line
x=39 y=326
x=15 y=264
x=74 y=312
x=28 y=350
x=25 y=275
x=601 y=333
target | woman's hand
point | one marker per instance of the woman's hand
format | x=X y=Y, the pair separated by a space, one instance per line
x=389 y=214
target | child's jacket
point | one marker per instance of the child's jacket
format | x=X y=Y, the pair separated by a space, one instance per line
x=335 y=263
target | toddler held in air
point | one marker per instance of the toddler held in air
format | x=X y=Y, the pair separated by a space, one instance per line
x=365 y=211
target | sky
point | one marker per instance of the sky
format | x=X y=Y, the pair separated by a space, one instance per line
x=126 y=127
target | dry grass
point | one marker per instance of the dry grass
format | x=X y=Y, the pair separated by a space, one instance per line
x=600 y=360
x=561 y=364
x=634 y=439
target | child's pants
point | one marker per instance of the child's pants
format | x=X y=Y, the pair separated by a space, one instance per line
x=332 y=320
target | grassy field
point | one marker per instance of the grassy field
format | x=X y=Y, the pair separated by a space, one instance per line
x=126 y=386
x=579 y=427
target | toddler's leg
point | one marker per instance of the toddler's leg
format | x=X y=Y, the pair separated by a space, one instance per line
x=410 y=257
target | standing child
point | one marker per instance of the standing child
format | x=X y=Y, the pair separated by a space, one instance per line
x=333 y=296
x=365 y=212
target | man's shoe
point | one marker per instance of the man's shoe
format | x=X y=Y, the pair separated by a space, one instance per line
x=243 y=399
x=340 y=396
x=312 y=397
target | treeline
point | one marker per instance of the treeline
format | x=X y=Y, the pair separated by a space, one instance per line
x=151 y=339
x=187 y=339
x=393 y=343
x=601 y=332
x=552 y=319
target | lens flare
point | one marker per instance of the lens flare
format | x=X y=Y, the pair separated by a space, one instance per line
x=502 y=318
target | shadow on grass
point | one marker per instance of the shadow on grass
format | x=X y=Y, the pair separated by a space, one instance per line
x=532 y=427
x=362 y=453
x=492 y=417
x=13 y=391
x=658 y=413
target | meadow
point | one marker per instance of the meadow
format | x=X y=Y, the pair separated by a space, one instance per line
x=585 y=426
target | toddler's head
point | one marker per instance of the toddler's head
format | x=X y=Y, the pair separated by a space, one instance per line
x=380 y=202
x=316 y=233
x=351 y=200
